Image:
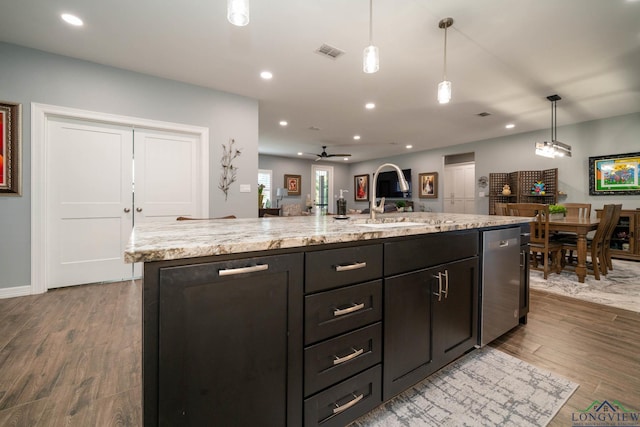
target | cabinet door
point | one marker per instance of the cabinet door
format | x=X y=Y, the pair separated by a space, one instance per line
x=407 y=331
x=455 y=310
x=230 y=343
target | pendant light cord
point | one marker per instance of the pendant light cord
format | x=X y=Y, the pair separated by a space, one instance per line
x=444 y=68
x=370 y=22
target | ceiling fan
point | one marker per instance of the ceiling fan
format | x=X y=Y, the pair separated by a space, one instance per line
x=324 y=154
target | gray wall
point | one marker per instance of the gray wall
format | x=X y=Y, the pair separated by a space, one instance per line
x=613 y=135
x=284 y=165
x=28 y=76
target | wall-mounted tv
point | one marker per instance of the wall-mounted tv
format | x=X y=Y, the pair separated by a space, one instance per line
x=389 y=186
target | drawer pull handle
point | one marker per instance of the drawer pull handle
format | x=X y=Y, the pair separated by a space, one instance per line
x=350 y=267
x=356 y=353
x=341 y=312
x=250 y=269
x=347 y=405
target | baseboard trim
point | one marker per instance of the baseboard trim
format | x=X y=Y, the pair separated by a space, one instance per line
x=16 y=291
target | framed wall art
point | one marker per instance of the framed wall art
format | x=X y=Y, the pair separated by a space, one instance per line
x=292 y=184
x=428 y=185
x=616 y=174
x=361 y=188
x=10 y=148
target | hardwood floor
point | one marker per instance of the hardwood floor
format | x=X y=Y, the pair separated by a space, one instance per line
x=593 y=345
x=72 y=356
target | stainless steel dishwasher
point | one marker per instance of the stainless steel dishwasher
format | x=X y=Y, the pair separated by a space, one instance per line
x=500 y=283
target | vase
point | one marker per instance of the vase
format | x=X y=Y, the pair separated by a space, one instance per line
x=556 y=216
x=260 y=197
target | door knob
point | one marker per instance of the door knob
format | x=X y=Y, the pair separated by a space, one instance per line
x=127 y=210
x=138 y=209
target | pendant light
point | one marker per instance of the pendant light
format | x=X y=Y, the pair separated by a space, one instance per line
x=371 y=55
x=238 y=12
x=444 y=87
x=554 y=148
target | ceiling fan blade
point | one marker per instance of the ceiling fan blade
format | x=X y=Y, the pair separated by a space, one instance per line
x=339 y=155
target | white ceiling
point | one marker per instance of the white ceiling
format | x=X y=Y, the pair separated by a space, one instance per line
x=504 y=57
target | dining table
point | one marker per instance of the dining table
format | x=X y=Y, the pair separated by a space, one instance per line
x=579 y=226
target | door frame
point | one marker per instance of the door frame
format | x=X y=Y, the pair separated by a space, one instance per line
x=329 y=170
x=40 y=115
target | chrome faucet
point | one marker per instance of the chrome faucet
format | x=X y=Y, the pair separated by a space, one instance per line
x=404 y=187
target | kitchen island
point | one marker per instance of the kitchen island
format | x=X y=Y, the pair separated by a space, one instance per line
x=295 y=321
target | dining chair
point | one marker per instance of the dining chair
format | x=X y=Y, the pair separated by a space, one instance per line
x=595 y=246
x=501 y=209
x=613 y=222
x=578 y=210
x=549 y=250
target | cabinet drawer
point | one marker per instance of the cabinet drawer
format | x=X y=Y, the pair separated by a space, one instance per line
x=336 y=359
x=332 y=313
x=337 y=267
x=427 y=251
x=343 y=403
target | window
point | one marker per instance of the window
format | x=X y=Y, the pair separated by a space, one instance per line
x=264 y=178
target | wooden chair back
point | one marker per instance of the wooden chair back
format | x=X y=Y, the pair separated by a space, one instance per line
x=540 y=219
x=501 y=209
x=613 y=222
x=578 y=210
x=539 y=234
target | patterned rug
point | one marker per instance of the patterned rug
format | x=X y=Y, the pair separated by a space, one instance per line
x=483 y=388
x=619 y=288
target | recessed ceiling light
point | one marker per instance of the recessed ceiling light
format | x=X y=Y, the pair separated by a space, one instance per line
x=71 y=19
x=283 y=123
x=299 y=153
x=510 y=126
x=369 y=105
x=409 y=146
x=266 y=75
x=356 y=137
x=345 y=159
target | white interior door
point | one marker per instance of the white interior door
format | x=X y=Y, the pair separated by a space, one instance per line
x=459 y=188
x=90 y=206
x=166 y=175
x=103 y=180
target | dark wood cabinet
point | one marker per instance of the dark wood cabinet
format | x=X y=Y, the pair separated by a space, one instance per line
x=229 y=344
x=343 y=334
x=315 y=337
x=431 y=314
x=455 y=309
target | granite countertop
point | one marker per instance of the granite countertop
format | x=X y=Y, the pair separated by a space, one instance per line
x=188 y=239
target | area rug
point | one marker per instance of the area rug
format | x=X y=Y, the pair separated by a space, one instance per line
x=619 y=288
x=483 y=388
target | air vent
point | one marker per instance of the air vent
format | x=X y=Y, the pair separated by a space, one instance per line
x=314 y=128
x=329 y=51
x=483 y=114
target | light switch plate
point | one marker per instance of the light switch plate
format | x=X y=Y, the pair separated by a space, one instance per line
x=245 y=188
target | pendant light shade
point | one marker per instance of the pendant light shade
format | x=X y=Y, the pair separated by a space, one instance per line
x=554 y=148
x=444 y=91
x=444 y=87
x=371 y=59
x=238 y=12
x=371 y=54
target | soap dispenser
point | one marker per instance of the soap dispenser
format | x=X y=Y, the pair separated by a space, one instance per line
x=342 y=204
